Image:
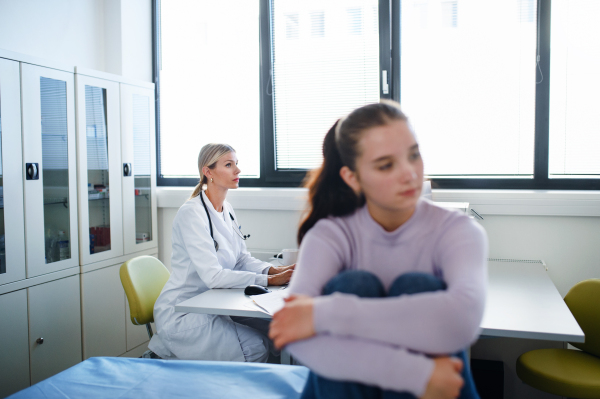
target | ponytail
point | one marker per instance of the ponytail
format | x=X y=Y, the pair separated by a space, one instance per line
x=328 y=194
x=197 y=189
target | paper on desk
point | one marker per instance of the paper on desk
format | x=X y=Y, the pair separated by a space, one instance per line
x=271 y=302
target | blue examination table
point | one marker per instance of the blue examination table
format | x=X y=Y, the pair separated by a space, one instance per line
x=115 y=377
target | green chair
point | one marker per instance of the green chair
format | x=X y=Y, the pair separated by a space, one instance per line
x=564 y=372
x=143 y=279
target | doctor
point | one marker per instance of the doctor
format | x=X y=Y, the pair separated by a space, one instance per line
x=209 y=252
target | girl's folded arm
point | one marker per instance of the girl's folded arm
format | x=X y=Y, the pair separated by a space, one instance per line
x=365 y=362
x=439 y=322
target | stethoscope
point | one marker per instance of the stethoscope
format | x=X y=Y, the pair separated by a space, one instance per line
x=238 y=230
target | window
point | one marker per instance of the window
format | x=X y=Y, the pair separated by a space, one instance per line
x=574 y=103
x=209 y=83
x=469 y=88
x=317 y=82
x=491 y=106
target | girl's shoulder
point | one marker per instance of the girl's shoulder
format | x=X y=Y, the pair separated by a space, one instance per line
x=450 y=222
x=336 y=228
x=432 y=211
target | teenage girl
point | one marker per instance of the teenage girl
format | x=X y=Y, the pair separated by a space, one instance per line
x=388 y=285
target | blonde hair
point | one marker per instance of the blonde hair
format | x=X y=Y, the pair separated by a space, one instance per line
x=209 y=155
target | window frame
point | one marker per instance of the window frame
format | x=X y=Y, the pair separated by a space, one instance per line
x=389 y=60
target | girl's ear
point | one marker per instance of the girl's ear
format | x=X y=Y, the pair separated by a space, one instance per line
x=350 y=178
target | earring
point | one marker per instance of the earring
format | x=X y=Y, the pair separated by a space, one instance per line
x=211 y=179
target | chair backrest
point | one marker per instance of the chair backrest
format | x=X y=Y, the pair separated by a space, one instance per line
x=143 y=278
x=583 y=300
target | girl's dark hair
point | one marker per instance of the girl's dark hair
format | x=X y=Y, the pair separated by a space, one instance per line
x=328 y=194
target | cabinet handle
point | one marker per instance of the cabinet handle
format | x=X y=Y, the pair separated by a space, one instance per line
x=127 y=169
x=32 y=171
x=39 y=341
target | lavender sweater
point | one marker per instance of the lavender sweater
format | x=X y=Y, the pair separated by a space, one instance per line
x=383 y=341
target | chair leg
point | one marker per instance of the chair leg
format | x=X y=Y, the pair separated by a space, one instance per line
x=149 y=328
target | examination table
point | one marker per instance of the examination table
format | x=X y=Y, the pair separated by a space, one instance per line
x=116 y=377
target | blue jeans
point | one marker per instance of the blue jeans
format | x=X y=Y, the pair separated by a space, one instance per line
x=367 y=285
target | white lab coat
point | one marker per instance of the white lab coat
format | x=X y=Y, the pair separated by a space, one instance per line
x=196 y=268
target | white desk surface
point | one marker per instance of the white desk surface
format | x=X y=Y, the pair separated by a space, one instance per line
x=522 y=302
x=226 y=302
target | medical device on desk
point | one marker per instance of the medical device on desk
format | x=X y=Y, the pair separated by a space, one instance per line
x=238 y=230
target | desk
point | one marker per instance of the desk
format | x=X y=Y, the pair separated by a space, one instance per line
x=522 y=302
x=224 y=302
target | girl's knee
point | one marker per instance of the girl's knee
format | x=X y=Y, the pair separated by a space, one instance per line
x=415 y=282
x=358 y=282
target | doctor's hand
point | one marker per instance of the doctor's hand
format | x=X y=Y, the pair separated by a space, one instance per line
x=280 y=278
x=293 y=322
x=446 y=381
x=281 y=269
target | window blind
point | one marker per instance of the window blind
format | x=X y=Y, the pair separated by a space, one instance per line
x=574 y=84
x=325 y=64
x=141 y=135
x=95 y=121
x=53 y=100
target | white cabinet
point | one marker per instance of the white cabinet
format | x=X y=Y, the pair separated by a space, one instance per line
x=12 y=229
x=40 y=332
x=48 y=115
x=77 y=199
x=138 y=155
x=54 y=327
x=107 y=326
x=117 y=167
x=99 y=166
x=14 y=360
x=103 y=310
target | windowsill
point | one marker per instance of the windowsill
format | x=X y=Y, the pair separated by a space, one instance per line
x=280 y=199
x=485 y=202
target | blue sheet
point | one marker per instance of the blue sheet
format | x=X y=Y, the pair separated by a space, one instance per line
x=115 y=377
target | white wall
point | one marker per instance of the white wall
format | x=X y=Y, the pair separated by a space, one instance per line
x=570 y=245
x=112 y=36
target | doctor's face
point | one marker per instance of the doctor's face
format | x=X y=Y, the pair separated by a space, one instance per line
x=225 y=174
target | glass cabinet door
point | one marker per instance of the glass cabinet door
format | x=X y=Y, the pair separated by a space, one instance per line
x=12 y=228
x=139 y=178
x=50 y=174
x=99 y=157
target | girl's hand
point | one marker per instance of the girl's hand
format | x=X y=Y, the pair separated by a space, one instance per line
x=281 y=269
x=446 y=381
x=294 y=322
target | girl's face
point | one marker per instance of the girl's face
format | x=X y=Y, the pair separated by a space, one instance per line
x=389 y=171
x=225 y=174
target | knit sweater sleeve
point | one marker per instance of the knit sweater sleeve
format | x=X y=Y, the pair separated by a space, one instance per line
x=323 y=254
x=438 y=322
